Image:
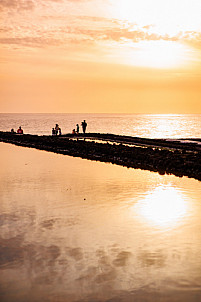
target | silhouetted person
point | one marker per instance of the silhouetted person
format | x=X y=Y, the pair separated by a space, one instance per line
x=12 y=130
x=73 y=131
x=56 y=129
x=59 y=131
x=84 y=126
x=53 y=131
x=78 y=129
x=20 y=131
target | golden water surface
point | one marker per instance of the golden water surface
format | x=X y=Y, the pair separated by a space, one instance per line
x=79 y=230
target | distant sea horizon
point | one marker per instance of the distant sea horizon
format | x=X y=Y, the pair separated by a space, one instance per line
x=151 y=125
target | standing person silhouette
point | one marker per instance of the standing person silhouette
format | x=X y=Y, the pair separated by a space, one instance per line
x=84 y=126
x=53 y=131
x=77 y=129
x=56 y=129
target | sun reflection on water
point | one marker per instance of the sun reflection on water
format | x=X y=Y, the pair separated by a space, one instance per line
x=163 y=207
x=166 y=125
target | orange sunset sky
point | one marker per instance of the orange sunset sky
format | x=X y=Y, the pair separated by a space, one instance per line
x=121 y=56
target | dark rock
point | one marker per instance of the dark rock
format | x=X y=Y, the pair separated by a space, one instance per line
x=170 y=157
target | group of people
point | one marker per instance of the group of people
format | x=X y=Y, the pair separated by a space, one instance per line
x=84 y=126
x=56 y=130
x=19 y=130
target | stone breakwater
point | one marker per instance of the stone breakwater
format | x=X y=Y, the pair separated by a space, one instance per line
x=179 y=157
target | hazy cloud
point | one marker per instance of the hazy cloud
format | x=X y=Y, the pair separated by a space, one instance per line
x=31 y=41
x=17 y=4
x=76 y=1
x=120 y=34
x=193 y=39
x=63 y=35
x=23 y=4
x=40 y=31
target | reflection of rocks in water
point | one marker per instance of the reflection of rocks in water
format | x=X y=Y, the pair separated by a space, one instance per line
x=75 y=253
x=122 y=258
x=11 y=253
x=6 y=218
x=40 y=256
x=14 y=253
x=106 y=276
x=107 y=269
x=88 y=274
x=156 y=258
x=52 y=252
x=100 y=282
x=56 y=274
x=48 y=224
x=104 y=260
x=72 y=273
x=12 y=224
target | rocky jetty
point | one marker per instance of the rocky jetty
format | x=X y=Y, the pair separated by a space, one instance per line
x=179 y=157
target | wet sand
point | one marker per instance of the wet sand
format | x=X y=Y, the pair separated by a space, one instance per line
x=180 y=157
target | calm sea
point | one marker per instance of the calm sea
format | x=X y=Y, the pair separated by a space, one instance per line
x=150 y=126
x=78 y=230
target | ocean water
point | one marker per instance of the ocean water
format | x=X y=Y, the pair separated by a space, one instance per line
x=78 y=230
x=150 y=126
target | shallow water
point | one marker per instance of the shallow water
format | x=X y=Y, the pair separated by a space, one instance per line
x=79 y=230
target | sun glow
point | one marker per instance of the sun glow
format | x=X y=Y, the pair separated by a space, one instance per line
x=168 y=17
x=158 y=33
x=158 y=54
x=163 y=207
